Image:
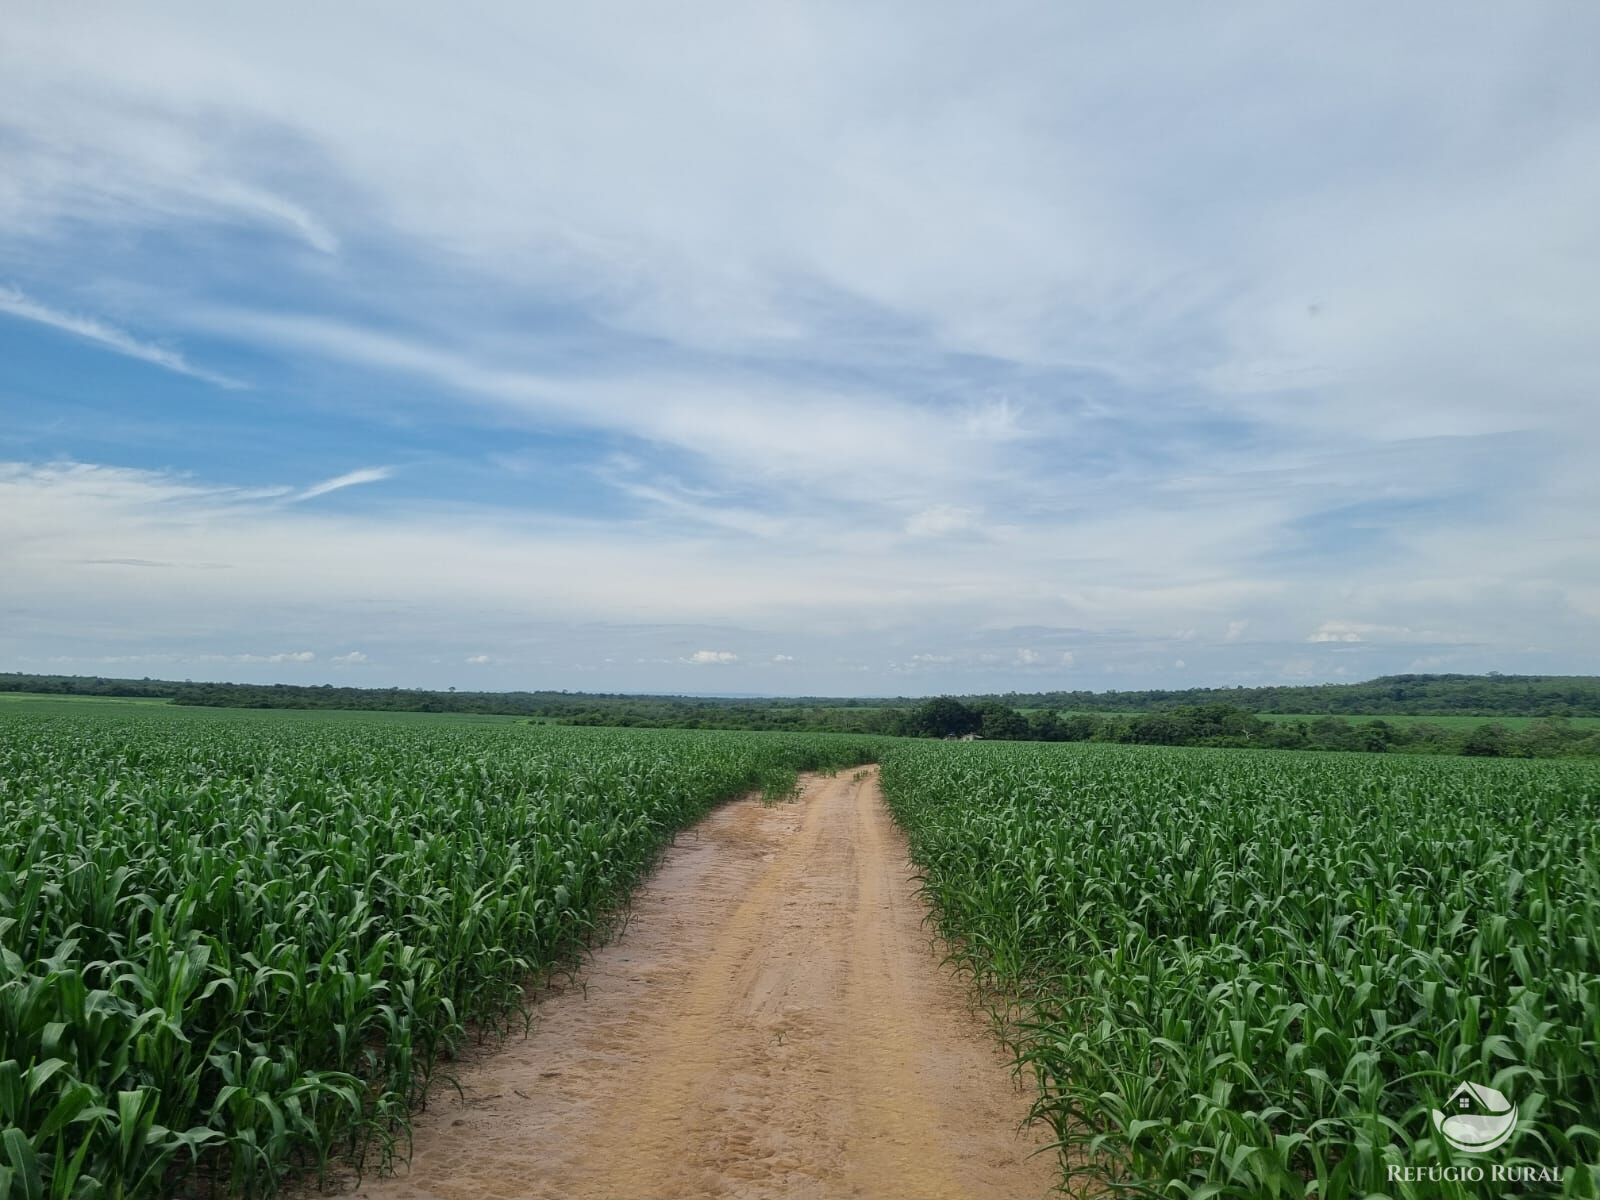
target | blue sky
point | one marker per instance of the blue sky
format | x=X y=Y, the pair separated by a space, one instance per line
x=815 y=348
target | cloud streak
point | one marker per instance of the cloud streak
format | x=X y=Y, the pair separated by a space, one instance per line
x=14 y=303
x=348 y=479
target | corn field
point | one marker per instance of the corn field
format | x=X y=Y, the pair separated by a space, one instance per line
x=232 y=947
x=1255 y=975
x=1244 y=974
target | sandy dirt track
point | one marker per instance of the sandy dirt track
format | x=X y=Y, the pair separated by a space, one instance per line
x=773 y=1023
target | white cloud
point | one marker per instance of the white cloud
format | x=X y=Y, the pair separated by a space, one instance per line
x=1179 y=664
x=1340 y=631
x=109 y=337
x=478 y=660
x=783 y=658
x=712 y=656
x=1366 y=631
x=351 y=659
x=348 y=479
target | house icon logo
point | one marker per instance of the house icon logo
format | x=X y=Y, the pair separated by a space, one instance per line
x=1476 y=1118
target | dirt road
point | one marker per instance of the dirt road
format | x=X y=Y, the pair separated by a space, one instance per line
x=773 y=1023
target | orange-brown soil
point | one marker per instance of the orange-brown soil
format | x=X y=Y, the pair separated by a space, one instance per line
x=773 y=1022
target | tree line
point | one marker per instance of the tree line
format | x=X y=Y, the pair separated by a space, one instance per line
x=1231 y=726
x=1014 y=717
x=1491 y=695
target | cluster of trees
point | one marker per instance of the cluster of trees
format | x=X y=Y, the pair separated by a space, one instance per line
x=87 y=685
x=1491 y=695
x=1546 y=737
x=662 y=713
x=1229 y=725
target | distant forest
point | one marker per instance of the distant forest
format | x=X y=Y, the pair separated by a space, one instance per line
x=1489 y=695
x=1239 y=728
x=550 y=704
x=1196 y=716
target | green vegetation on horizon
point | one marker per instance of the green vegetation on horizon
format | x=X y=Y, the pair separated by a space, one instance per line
x=1018 y=718
x=1491 y=695
x=1395 y=719
x=1401 y=720
x=1224 y=726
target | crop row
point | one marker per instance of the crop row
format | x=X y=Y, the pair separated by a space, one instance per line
x=1256 y=974
x=229 y=948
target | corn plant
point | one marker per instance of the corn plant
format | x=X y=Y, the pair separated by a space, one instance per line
x=1247 y=974
x=235 y=945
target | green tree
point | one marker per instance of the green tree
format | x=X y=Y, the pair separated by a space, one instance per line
x=1486 y=741
x=999 y=722
x=944 y=716
x=1046 y=726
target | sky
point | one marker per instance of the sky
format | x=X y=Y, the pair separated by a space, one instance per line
x=885 y=349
